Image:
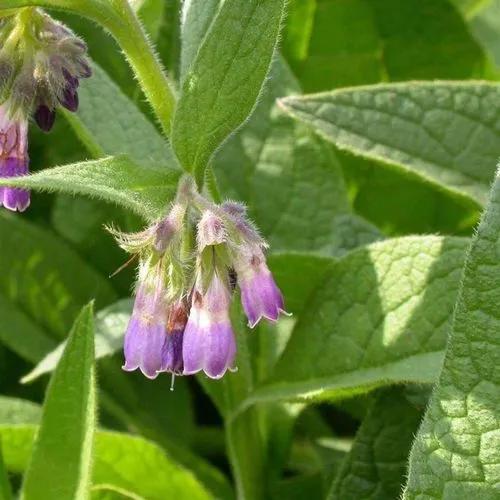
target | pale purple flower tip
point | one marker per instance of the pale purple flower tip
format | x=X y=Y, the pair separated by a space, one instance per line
x=14 y=198
x=146 y=335
x=209 y=344
x=13 y=157
x=260 y=296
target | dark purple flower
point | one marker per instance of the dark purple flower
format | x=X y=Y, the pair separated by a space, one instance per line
x=14 y=159
x=209 y=343
x=172 y=349
x=70 y=99
x=45 y=117
x=260 y=296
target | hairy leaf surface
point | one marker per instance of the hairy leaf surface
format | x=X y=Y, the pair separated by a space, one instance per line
x=456 y=454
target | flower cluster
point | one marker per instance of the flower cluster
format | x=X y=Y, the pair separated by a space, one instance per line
x=41 y=63
x=181 y=317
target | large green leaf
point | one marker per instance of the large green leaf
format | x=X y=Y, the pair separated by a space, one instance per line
x=44 y=277
x=456 y=454
x=375 y=466
x=394 y=40
x=20 y=334
x=290 y=178
x=197 y=16
x=126 y=462
x=116 y=179
x=225 y=79
x=380 y=315
x=109 y=123
x=448 y=133
x=5 y=490
x=60 y=466
x=110 y=326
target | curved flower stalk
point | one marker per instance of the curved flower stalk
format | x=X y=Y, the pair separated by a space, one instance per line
x=181 y=319
x=41 y=63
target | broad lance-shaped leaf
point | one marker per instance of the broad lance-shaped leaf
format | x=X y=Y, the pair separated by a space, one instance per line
x=109 y=123
x=456 y=454
x=45 y=278
x=116 y=179
x=375 y=466
x=197 y=15
x=5 y=490
x=122 y=461
x=60 y=466
x=27 y=339
x=380 y=315
x=225 y=79
x=447 y=133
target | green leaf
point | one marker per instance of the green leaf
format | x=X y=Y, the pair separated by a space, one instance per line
x=414 y=39
x=109 y=123
x=5 y=491
x=15 y=414
x=126 y=462
x=197 y=16
x=469 y=7
x=485 y=25
x=110 y=326
x=375 y=466
x=447 y=132
x=20 y=334
x=45 y=278
x=456 y=454
x=225 y=79
x=116 y=179
x=271 y=151
x=61 y=461
x=380 y=315
x=19 y=411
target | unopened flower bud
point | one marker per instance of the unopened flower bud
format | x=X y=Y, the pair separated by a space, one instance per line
x=211 y=230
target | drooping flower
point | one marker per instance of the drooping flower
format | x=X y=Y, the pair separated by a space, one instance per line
x=13 y=156
x=209 y=344
x=153 y=340
x=260 y=296
x=146 y=333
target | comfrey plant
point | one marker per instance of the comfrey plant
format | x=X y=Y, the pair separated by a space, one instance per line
x=181 y=318
x=41 y=63
x=384 y=383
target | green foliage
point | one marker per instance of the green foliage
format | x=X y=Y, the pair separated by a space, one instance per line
x=394 y=41
x=375 y=466
x=145 y=191
x=223 y=83
x=367 y=194
x=456 y=452
x=386 y=307
x=448 y=132
x=61 y=468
